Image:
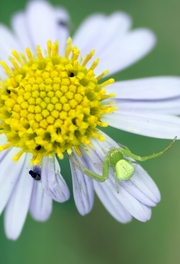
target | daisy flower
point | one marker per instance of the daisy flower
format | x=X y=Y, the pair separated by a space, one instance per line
x=52 y=101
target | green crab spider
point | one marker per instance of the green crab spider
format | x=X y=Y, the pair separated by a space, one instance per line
x=123 y=169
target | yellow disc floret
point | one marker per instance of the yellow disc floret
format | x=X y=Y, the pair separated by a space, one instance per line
x=49 y=103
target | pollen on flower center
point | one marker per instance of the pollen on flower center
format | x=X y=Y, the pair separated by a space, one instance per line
x=49 y=104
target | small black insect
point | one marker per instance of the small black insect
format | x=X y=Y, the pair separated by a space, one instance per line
x=38 y=147
x=36 y=176
x=63 y=23
x=71 y=74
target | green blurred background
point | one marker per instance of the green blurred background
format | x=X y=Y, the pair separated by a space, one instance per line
x=68 y=237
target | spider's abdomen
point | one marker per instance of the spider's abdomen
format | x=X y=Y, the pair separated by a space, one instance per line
x=124 y=170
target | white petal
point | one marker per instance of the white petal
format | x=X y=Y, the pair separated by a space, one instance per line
x=136 y=193
x=165 y=106
x=145 y=184
x=3 y=139
x=62 y=24
x=115 y=25
x=153 y=88
x=157 y=94
x=41 y=203
x=40 y=19
x=87 y=32
x=19 y=25
x=2 y=74
x=145 y=123
x=18 y=205
x=142 y=187
x=124 y=51
x=24 y=26
x=111 y=203
x=8 y=177
x=97 y=31
x=8 y=42
x=132 y=205
x=52 y=180
x=83 y=189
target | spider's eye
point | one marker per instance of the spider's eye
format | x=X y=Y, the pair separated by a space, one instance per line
x=36 y=176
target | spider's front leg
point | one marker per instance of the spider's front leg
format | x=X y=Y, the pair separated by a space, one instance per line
x=91 y=174
x=128 y=153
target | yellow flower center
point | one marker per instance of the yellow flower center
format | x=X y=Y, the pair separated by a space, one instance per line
x=49 y=104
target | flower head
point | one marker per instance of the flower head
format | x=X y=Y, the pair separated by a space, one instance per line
x=52 y=101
